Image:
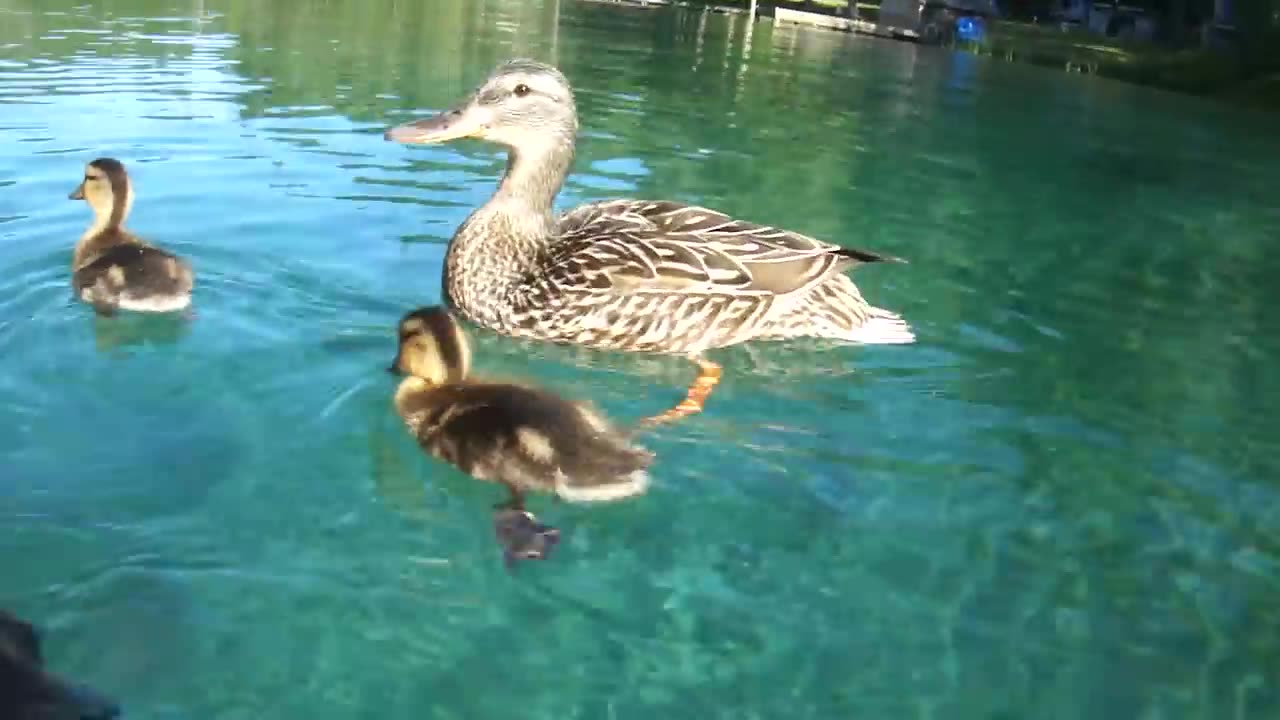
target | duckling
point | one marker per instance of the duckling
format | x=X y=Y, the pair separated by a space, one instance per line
x=28 y=690
x=522 y=437
x=113 y=269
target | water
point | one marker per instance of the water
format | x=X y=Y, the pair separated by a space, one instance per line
x=1062 y=503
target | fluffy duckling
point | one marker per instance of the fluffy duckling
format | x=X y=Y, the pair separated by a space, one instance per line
x=112 y=269
x=28 y=691
x=522 y=437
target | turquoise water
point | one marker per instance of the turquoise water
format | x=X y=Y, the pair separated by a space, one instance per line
x=1063 y=502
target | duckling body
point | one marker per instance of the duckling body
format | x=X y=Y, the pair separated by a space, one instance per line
x=113 y=269
x=525 y=438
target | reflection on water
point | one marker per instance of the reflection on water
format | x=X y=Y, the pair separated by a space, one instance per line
x=131 y=330
x=1061 y=502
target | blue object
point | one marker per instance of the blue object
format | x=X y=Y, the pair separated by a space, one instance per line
x=970 y=28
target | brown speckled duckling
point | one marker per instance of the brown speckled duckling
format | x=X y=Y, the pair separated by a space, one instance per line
x=524 y=438
x=113 y=269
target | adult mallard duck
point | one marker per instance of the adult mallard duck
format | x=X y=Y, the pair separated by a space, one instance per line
x=633 y=275
x=525 y=438
x=113 y=269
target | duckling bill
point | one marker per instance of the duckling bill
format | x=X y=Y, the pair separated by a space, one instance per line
x=113 y=269
x=524 y=438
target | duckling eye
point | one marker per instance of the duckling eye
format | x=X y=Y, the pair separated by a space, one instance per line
x=521 y=90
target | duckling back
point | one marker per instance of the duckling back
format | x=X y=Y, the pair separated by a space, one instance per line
x=528 y=439
x=130 y=275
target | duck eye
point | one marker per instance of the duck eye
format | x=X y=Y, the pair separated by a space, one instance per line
x=521 y=90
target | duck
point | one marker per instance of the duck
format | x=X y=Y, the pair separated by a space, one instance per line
x=29 y=690
x=111 y=268
x=628 y=274
x=525 y=438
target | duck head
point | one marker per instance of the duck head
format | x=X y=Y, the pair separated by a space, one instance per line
x=432 y=347
x=107 y=191
x=523 y=104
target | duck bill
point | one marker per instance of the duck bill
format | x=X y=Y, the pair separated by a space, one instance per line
x=461 y=122
x=78 y=193
x=394 y=367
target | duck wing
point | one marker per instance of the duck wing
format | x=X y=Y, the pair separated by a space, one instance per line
x=671 y=247
x=533 y=440
x=132 y=272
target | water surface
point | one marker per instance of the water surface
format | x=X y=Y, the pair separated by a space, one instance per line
x=1061 y=503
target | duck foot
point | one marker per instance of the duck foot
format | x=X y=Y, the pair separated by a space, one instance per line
x=699 y=391
x=522 y=537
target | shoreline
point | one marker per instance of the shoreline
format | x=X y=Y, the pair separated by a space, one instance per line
x=1219 y=76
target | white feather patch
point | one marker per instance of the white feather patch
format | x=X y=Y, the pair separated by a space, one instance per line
x=631 y=485
x=154 y=303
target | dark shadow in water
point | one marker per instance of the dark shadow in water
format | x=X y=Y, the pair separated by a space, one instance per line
x=134 y=624
x=31 y=686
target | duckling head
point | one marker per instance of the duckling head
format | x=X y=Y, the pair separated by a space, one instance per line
x=432 y=347
x=524 y=105
x=106 y=189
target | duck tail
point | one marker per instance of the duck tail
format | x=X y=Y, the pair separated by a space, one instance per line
x=613 y=473
x=836 y=310
x=866 y=256
x=615 y=488
x=881 y=327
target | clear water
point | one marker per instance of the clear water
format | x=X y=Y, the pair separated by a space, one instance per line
x=1064 y=502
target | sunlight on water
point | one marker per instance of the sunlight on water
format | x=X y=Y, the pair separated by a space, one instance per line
x=1062 y=502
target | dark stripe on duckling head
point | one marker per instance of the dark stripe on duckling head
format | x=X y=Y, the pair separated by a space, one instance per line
x=119 y=179
x=437 y=322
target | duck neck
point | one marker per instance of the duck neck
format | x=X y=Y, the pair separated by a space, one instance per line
x=500 y=242
x=534 y=176
x=106 y=224
x=408 y=401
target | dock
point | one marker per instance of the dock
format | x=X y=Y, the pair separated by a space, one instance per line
x=895 y=31
x=838 y=22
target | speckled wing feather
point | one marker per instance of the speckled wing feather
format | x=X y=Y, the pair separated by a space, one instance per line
x=665 y=275
x=750 y=246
